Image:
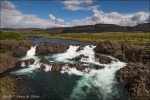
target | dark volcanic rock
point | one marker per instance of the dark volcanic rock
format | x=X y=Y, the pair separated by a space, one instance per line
x=135 y=77
x=29 y=61
x=6 y=62
x=79 y=67
x=136 y=53
x=103 y=59
x=125 y=51
x=43 y=60
x=56 y=67
x=16 y=48
x=45 y=48
x=79 y=57
x=18 y=63
x=108 y=47
x=120 y=57
x=81 y=47
x=42 y=67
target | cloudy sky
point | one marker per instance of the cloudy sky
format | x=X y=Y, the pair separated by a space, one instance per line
x=58 y=13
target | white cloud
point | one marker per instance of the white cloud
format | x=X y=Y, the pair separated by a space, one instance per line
x=13 y=18
x=140 y=17
x=7 y=5
x=113 y=18
x=60 y=21
x=52 y=17
x=72 y=2
x=78 y=5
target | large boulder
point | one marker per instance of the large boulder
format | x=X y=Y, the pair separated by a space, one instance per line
x=56 y=67
x=79 y=57
x=108 y=47
x=43 y=60
x=79 y=66
x=29 y=61
x=135 y=77
x=6 y=62
x=42 y=67
x=16 y=48
x=81 y=47
x=45 y=48
x=102 y=58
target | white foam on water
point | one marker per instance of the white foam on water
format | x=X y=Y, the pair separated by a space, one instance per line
x=23 y=64
x=30 y=53
x=71 y=53
x=99 y=81
x=47 y=67
x=27 y=70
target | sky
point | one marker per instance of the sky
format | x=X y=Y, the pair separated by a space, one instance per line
x=64 y=13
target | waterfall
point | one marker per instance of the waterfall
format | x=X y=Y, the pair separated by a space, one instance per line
x=31 y=52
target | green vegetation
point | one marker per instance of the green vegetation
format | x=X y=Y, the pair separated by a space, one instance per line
x=96 y=37
x=10 y=36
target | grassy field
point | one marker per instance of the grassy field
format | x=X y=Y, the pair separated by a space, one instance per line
x=10 y=36
x=96 y=37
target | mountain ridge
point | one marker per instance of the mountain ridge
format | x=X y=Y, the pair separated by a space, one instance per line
x=97 y=28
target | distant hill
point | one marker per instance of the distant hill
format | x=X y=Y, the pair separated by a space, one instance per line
x=97 y=28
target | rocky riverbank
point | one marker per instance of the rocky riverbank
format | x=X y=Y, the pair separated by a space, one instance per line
x=134 y=77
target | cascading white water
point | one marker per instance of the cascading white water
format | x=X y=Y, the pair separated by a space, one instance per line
x=65 y=57
x=71 y=53
x=31 y=52
x=102 y=79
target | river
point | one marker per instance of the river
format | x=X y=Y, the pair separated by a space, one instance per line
x=72 y=84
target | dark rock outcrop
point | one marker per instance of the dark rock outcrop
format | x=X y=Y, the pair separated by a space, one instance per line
x=77 y=58
x=136 y=53
x=6 y=62
x=56 y=67
x=120 y=57
x=125 y=51
x=16 y=48
x=79 y=66
x=43 y=60
x=103 y=59
x=81 y=47
x=108 y=47
x=29 y=61
x=135 y=77
x=42 y=67
x=18 y=63
x=45 y=48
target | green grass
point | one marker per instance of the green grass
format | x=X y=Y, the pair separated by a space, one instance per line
x=10 y=36
x=96 y=37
